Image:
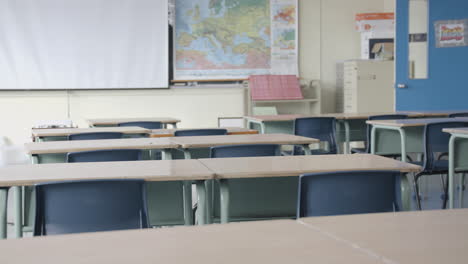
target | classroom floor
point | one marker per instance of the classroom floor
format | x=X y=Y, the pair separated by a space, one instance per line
x=431 y=191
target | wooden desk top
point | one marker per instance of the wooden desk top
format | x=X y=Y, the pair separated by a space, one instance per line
x=410 y=237
x=339 y=116
x=115 y=121
x=212 y=141
x=70 y=131
x=440 y=113
x=228 y=168
x=231 y=131
x=456 y=130
x=162 y=170
x=272 y=242
x=415 y=122
x=52 y=147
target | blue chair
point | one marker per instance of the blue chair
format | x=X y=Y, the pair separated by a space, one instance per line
x=367 y=143
x=200 y=132
x=436 y=144
x=256 y=199
x=147 y=125
x=454 y=115
x=90 y=206
x=321 y=128
x=105 y=155
x=95 y=136
x=348 y=192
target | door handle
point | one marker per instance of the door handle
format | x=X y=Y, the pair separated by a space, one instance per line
x=401 y=86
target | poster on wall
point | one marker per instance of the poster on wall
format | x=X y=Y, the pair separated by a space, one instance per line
x=451 y=33
x=223 y=39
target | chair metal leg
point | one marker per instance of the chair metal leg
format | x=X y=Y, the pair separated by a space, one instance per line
x=445 y=187
x=416 y=191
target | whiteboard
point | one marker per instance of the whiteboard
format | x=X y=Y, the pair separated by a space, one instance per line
x=83 y=44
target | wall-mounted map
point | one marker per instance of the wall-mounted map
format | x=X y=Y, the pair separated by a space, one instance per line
x=232 y=39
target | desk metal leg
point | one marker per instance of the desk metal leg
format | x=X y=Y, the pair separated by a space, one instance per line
x=188 y=195
x=405 y=185
x=202 y=212
x=18 y=211
x=451 y=170
x=3 y=213
x=166 y=154
x=307 y=150
x=460 y=194
x=347 y=137
x=224 y=192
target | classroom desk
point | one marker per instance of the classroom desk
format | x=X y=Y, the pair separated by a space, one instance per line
x=55 y=151
x=430 y=237
x=162 y=197
x=439 y=113
x=153 y=171
x=155 y=133
x=350 y=127
x=109 y=122
x=273 y=242
x=409 y=237
x=458 y=153
x=187 y=143
x=402 y=137
x=62 y=134
x=293 y=166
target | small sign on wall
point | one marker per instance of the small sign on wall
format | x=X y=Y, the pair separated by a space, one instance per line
x=451 y=33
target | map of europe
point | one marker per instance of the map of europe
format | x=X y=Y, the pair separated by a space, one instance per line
x=223 y=37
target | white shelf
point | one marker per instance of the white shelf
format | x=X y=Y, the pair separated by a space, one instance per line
x=310 y=105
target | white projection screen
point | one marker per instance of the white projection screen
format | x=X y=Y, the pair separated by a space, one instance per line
x=83 y=44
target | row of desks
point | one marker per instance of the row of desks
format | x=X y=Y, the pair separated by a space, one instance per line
x=165 y=143
x=63 y=133
x=187 y=170
x=416 y=237
x=351 y=126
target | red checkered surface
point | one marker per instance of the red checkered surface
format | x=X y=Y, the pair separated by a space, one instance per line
x=275 y=87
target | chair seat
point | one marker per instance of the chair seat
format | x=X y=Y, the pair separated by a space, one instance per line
x=358 y=150
x=300 y=152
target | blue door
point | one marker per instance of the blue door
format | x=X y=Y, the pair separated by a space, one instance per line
x=442 y=82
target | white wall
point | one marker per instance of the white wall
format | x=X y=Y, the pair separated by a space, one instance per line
x=327 y=35
x=389 y=5
x=197 y=107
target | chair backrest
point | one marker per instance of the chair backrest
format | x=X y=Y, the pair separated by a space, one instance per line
x=436 y=141
x=200 y=132
x=348 y=192
x=147 y=125
x=458 y=115
x=261 y=150
x=95 y=136
x=321 y=128
x=380 y=117
x=90 y=206
x=105 y=155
